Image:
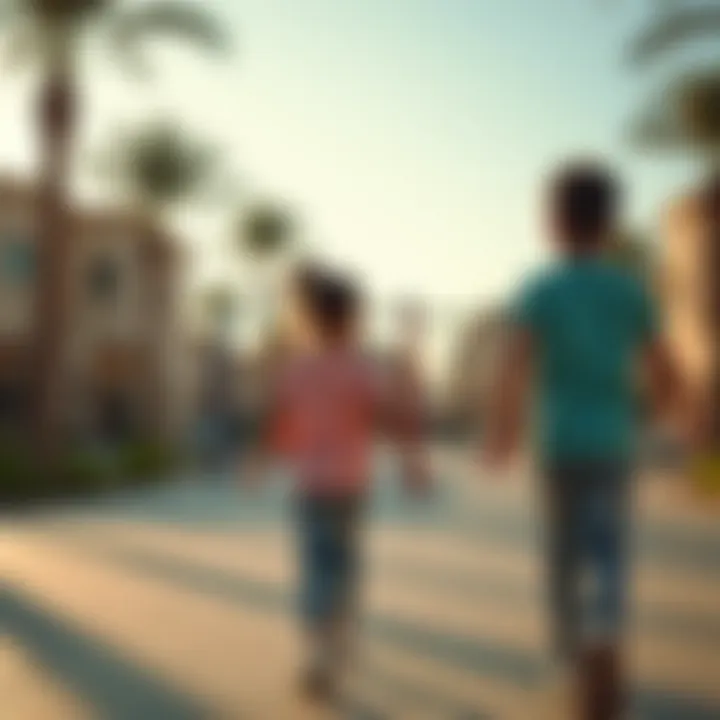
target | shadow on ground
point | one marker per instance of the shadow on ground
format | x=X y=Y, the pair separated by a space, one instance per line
x=114 y=687
x=489 y=659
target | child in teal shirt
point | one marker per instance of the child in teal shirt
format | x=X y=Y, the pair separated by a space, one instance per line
x=579 y=331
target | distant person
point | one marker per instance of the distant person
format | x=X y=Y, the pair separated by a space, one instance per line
x=327 y=406
x=580 y=333
x=216 y=430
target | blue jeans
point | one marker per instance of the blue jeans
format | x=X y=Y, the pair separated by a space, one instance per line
x=587 y=523
x=329 y=556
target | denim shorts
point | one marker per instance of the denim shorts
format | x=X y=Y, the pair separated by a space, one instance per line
x=587 y=505
x=329 y=552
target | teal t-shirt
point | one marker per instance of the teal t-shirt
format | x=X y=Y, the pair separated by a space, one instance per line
x=588 y=321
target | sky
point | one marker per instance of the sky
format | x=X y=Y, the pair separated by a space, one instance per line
x=411 y=135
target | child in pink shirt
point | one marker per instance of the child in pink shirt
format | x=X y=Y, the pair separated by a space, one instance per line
x=328 y=405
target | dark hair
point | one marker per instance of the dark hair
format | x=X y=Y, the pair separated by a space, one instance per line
x=585 y=199
x=331 y=299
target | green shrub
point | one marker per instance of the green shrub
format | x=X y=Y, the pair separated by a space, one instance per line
x=22 y=478
x=19 y=475
x=86 y=471
x=80 y=471
x=147 y=461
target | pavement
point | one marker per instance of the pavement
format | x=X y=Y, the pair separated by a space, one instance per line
x=176 y=602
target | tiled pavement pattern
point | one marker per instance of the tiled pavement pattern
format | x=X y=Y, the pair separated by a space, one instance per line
x=176 y=603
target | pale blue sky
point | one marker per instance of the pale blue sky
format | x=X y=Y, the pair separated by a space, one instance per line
x=414 y=133
x=411 y=134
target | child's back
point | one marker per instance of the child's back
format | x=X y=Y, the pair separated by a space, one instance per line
x=579 y=333
x=330 y=404
x=590 y=322
x=326 y=410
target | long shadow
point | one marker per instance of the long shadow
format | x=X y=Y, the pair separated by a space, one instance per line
x=514 y=593
x=662 y=546
x=663 y=705
x=113 y=686
x=485 y=657
x=477 y=655
x=218 y=503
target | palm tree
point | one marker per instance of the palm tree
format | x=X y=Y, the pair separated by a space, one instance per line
x=686 y=116
x=157 y=167
x=54 y=30
x=265 y=230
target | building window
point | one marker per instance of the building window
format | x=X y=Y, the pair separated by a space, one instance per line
x=14 y=404
x=104 y=279
x=17 y=260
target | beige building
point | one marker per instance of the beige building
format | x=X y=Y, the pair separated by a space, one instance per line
x=684 y=286
x=126 y=372
x=475 y=365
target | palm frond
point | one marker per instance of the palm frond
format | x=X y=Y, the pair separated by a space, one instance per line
x=160 y=164
x=171 y=18
x=675 y=28
x=657 y=128
x=266 y=229
x=686 y=115
x=62 y=10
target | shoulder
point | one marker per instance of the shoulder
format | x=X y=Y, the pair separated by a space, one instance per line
x=634 y=299
x=293 y=371
x=534 y=294
x=542 y=282
x=626 y=285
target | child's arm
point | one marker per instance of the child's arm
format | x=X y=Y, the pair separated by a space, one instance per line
x=669 y=393
x=505 y=419
x=670 y=396
x=254 y=459
x=664 y=379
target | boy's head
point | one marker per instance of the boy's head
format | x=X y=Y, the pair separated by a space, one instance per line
x=584 y=200
x=331 y=303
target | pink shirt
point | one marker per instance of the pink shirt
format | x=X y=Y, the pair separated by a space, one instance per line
x=327 y=412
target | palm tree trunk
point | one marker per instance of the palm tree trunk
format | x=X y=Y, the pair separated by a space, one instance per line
x=56 y=120
x=158 y=297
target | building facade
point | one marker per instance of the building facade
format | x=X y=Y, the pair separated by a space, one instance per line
x=125 y=373
x=684 y=282
x=475 y=364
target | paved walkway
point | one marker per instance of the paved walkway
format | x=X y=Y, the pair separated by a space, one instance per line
x=176 y=603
